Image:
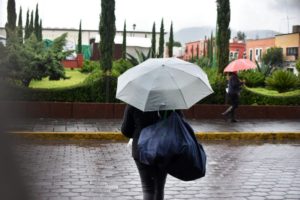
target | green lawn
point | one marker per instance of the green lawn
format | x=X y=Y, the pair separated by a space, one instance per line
x=75 y=75
x=269 y=92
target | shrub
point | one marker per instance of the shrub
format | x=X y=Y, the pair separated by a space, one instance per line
x=252 y=78
x=120 y=66
x=89 y=66
x=282 y=81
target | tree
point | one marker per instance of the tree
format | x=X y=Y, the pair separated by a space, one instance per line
x=161 y=40
x=241 y=36
x=79 y=49
x=153 y=42
x=273 y=57
x=36 y=23
x=107 y=31
x=32 y=61
x=31 y=27
x=124 y=42
x=41 y=31
x=171 y=41
x=10 y=26
x=223 y=33
x=20 y=27
x=27 y=34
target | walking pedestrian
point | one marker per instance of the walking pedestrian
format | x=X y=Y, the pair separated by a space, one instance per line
x=152 y=177
x=234 y=88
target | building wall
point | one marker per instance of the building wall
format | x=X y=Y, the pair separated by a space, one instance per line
x=286 y=41
x=258 y=48
x=194 y=49
x=237 y=50
x=87 y=35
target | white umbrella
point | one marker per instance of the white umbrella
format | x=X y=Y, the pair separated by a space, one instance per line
x=163 y=84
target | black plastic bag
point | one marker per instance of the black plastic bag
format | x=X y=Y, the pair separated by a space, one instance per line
x=171 y=144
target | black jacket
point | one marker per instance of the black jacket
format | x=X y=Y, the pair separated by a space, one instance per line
x=234 y=85
x=135 y=120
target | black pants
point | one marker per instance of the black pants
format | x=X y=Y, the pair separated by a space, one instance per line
x=153 y=181
x=234 y=101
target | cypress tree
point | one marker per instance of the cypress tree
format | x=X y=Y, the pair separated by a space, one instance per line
x=124 y=42
x=36 y=22
x=211 y=49
x=171 y=41
x=107 y=29
x=197 y=51
x=161 y=40
x=31 y=28
x=20 y=27
x=10 y=26
x=27 y=26
x=41 y=30
x=223 y=34
x=79 y=50
x=153 y=42
x=11 y=15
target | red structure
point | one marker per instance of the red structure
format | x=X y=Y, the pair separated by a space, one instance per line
x=195 y=49
x=237 y=49
x=76 y=63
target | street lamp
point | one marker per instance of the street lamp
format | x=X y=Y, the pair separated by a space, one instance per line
x=133 y=26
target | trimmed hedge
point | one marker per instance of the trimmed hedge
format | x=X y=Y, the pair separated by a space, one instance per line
x=249 y=97
x=93 y=90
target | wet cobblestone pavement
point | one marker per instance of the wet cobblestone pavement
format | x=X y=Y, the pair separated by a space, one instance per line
x=104 y=170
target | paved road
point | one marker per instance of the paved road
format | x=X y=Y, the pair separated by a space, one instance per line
x=100 y=125
x=104 y=170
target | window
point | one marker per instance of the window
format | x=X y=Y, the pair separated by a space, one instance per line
x=290 y=51
x=250 y=54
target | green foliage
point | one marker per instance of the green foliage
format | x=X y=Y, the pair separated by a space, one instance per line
x=171 y=41
x=282 y=81
x=20 y=27
x=203 y=62
x=241 y=35
x=31 y=61
x=153 y=42
x=27 y=34
x=79 y=49
x=161 y=40
x=223 y=33
x=252 y=78
x=141 y=57
x=89 y=66
x=120 y=66
x=266 y=70
x=124 y=42
x=251 y=97
x=107 y=31
x=273 y=57
x=298 y=66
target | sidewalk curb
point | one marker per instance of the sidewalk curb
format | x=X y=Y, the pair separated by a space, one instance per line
x=199 y=135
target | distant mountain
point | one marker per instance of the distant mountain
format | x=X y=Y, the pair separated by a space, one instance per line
x=198 y=33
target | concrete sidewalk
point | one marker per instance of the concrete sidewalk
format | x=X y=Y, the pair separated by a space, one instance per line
x=110 y=129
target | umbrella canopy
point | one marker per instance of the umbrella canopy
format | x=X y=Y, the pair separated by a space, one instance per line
x=240 y=64
x=163 y=84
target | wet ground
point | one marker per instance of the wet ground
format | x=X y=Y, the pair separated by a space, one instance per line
x=104 y=170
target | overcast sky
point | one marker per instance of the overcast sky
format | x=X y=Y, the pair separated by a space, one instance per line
x=245 y=14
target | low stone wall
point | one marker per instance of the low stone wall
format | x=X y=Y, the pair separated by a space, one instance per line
x=111 y=110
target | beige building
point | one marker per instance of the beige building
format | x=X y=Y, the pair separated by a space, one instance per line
x=290 y=44
x=87 y=35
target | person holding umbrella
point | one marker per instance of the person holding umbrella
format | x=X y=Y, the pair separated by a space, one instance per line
x=234 y=88
x=152 y=90
x=153 y=178
x=234 y=84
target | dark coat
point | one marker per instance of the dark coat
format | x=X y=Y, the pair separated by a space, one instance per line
x=234 y=84
x=135 y=120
